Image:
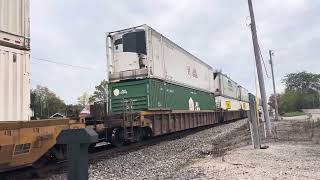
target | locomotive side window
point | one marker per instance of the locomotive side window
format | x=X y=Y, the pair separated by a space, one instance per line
x=134 y=42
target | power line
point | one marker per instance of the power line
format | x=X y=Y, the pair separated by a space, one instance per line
x=60 y=63
x=265 y=67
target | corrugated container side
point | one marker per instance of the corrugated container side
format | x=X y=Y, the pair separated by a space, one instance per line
x=15 y=23
x=155 y=94
x=226 y=87
x=183 y=98
x=165 y=60
x=228 y=103
x=136 y=91
x=173 y=63
x=14 y=84
x=244 y=95
x=245 y=106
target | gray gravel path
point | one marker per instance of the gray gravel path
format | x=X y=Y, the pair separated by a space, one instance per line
x=163 y=160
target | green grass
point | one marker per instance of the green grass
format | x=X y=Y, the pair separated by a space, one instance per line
x=291 y=114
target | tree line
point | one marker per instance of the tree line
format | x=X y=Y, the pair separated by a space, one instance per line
x=45 y=103
x=302 y=91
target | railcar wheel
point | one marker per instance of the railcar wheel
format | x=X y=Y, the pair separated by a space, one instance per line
x=117 y=137
x=138 y=134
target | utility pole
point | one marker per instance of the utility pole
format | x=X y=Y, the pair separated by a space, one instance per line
x=274 y=88
x=253 y=121
x=259 y=69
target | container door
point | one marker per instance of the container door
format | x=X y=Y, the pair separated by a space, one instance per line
x=14 y=84
x=157 y=94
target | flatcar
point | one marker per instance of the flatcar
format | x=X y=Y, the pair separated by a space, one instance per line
x=155 y=88
x=31 y=143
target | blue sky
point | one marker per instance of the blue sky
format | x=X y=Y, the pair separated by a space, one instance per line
x=216 y=31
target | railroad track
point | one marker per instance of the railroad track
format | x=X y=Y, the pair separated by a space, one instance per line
x=99 y=154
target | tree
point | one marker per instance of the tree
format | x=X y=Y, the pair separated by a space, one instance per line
x=303 y=82
x=83 y=100
x=290 y=101
x=101 y=92
x=302 y=91
x=45 y=102
x=272 y=100
x=73 y=111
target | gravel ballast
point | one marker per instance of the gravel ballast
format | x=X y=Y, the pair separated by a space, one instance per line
x=293 y=153
x=282 y=160
x=162 y=160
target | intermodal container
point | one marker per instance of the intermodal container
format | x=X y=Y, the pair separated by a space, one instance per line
x=224 y=86
x=15 y=24
x=142 y=52
x=229 y=104
x=244 y=94
x=14 y=84
x=154 y=94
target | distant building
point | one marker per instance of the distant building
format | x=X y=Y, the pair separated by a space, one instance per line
x=57 y=116
x=85 y=112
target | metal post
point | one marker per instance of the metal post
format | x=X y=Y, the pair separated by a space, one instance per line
x=274 y=88
x=78 y=161
x=254 y=128
x=77 y=141
x=259 y=69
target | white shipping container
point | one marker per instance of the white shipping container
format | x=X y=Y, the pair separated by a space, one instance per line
x=244 y=94
x=245 y=106
x=225 y=86
x=15 y=23
x=14 y=84
x=229 y=104
x=142 y=52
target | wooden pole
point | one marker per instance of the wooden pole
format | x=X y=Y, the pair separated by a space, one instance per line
x=254 y=128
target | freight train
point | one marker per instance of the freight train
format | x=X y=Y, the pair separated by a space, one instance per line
x=229 y=95
x=155 y=88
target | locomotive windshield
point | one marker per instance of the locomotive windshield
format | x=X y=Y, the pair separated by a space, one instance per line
x=134 y=42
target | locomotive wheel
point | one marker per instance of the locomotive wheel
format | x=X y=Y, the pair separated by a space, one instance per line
x=117 y=137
